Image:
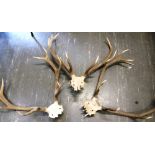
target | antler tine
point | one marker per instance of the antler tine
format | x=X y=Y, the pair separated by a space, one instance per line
x=67 y=68
x=32 y=35
x=51 y=39
x=2 y=87
x=69 y=64
x=96 y=66
x=110 y=50
x=92 y=66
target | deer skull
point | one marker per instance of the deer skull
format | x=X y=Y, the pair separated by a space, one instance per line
x=92 y=106
x=77 y=82
x=54 y=110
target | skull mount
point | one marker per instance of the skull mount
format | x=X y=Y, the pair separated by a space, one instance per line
x=92 y=106
x=77 y=82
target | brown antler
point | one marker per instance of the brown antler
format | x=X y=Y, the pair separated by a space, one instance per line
x=77 y=82
x=10 y=106
x=52 y=66
x=55 y=109
x=140 y=115
x=55 y=70
x=97 y=65
x=111 y=60
x=93 y=105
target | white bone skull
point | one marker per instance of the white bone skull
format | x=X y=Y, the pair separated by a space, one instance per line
x=92 y=106
x=54 y=110
x=77 y=82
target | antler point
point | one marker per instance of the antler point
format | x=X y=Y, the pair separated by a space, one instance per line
x=32 y=35
x=97 y=59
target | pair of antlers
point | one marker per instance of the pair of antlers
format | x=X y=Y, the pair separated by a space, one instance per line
x=77 y=82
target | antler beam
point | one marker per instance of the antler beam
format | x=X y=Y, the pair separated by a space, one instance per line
x=10 y=106
x=140 y=115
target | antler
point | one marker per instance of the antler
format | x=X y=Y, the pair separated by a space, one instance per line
x=97 y=65
x=110 y=60
x=93 y=105
x=78 y=82
x=139 y=115
x=54 y=109
x=10 y=106
x=52 y=66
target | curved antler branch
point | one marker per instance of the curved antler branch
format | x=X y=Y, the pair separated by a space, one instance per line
x=10 y=106
x=53 y=110
x=139 y=115
x=97 y=65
